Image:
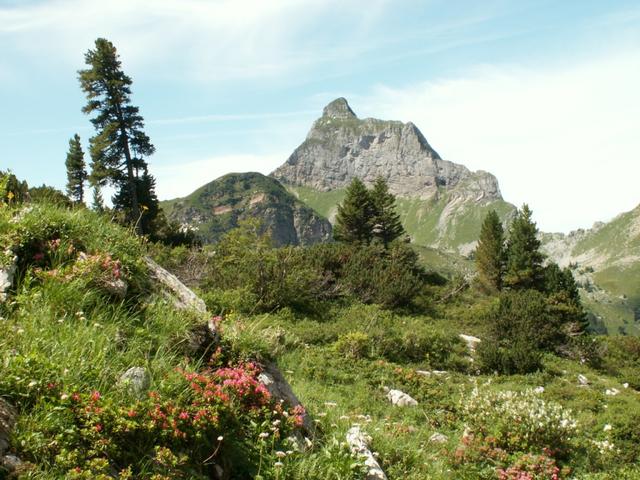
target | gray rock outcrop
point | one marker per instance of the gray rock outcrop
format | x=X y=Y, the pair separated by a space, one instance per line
x=7 y=273
x=340 y=146
x=401 y=399
x=182 y=296
x=136 y=380
x=358 y=442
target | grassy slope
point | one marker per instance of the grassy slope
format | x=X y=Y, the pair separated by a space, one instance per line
x=618 y=242
x=65 y=339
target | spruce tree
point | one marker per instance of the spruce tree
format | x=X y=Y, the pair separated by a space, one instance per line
x=76 y=172
x=524 y=259
x=354 y=218
x=119 y=148
x=386 y=221
x=98 y=202
x=564 y=298
x=489 y=254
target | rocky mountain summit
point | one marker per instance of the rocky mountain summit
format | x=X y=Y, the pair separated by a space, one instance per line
x=220 y=205
x=340 y=146
x=441 y=203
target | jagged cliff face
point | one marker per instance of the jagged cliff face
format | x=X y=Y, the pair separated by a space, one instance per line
x=442 y=204
x=340 y=146
x=219 y=206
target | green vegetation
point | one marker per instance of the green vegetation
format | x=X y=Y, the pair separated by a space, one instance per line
x=219 y=206
x=76 y=171
x=366 y=216
x=119 y=148
x=490 y=254
x=76 y=330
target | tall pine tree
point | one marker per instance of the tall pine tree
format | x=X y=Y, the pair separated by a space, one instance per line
x=354 y=219
x=524 y=259
x=119 y=148
x=489 y=254
x=76 y=171
x=386 y=221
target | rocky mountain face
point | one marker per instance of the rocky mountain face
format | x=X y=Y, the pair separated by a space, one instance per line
x=605 y=261
x=441 y=202
x=340 y=146
x=219 y=206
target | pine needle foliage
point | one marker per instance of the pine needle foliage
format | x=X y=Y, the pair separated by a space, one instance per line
x=76 y=171
x=524 y=259
x=386 y=220
x=490 y=253
x=354 y=221
x=120 y=146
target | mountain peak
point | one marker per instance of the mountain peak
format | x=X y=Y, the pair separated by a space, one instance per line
x=339 y=108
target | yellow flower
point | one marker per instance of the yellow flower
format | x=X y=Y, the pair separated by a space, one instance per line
x=144 y=208
x=10 y=195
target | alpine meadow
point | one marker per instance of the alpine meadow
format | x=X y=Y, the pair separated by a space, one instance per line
x=356 y=307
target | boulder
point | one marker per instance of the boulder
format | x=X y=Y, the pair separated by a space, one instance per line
x=358 y=441
x=471 y=341
x=136 y=380
x=281 y=391
x=401 y=399
x=182 y=296
x=438 y=438
x=7 y=274
x=7 y=422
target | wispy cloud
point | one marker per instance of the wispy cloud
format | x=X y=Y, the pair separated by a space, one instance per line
x=564 y=139
x=229 y=117
x=206 y=39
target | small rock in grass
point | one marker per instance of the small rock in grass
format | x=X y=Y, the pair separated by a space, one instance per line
x=438 y=438
x=401 y=399
x=137 y=380
x=117 y=288
x=612 y=392
x=582 y=380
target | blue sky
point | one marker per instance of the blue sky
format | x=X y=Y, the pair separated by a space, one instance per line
x=544 y=94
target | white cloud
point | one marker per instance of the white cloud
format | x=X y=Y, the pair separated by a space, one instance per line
x=181 y=178
x=201 y=39
x=564 y=140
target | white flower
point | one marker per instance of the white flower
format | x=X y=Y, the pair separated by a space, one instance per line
x=264 y=435
x=280 y=454
x=278 y=464
x=539 y=389
x=220 y=438
x=32 y=384
x=607 y=427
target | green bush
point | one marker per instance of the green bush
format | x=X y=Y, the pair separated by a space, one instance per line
x=353 y=345
x=518 y=421
x=520 y=358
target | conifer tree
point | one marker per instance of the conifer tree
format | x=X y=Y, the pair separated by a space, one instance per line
x=490 y=253
x=386 y=221
x=524 y=259
x=564 y=298
x=119 y=148
x=98 y=202
x=354 y=218
x=76 y=172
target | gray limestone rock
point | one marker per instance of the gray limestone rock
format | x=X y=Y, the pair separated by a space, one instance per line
x=438 y=438
x=7 y=273
x=358 y=441
x=136 y=380
x=182 y=296
x=340 y=146
x=7 y=422
x=401 y=399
